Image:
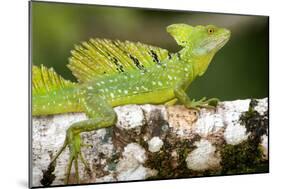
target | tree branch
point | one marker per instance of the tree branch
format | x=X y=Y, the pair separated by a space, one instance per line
x=158 y=142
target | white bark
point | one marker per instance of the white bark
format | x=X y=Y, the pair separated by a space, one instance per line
x=140 y=133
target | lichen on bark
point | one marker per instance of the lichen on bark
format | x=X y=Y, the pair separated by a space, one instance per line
x=158 y=142
x=248 y=156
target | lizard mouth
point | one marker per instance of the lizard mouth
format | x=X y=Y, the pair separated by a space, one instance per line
x=212 y=43
x=224 y=39
x=218 y=42
x=222 y=42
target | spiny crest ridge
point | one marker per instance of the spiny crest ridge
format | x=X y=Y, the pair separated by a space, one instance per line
x=102 y=56
x=45 y=80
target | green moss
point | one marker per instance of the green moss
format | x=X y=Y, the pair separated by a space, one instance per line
x=246 y=157
x=112 y=162
x=169 y=166
x=108 y=135
x=254 y=122
x=243 y=158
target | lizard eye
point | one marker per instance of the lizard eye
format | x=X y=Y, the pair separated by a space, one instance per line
x=211 y=30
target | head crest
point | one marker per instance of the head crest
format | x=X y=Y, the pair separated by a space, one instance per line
x=180 y=32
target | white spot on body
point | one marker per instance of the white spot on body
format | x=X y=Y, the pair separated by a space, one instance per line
x=160 y=83
x=143 y=87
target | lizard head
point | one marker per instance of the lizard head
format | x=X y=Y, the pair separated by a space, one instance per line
x=203 y=39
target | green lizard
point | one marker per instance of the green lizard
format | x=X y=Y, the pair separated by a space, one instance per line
x=112 y=73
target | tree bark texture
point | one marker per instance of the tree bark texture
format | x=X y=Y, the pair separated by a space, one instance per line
x=159 y=142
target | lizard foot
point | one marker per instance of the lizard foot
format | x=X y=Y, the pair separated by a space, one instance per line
x=203 y=103
x=75 y=144
x=73 y=141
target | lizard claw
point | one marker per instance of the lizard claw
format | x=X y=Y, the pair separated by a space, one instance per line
x=75 y=144
x=73 y=141
x=213 y=102
x=203 y=103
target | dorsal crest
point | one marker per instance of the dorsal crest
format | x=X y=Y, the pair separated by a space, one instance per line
x=45 y=80
x=98 y=57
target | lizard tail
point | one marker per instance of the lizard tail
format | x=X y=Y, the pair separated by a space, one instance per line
x=45 y=80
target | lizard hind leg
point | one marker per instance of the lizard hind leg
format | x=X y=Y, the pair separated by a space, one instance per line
x=101 y=115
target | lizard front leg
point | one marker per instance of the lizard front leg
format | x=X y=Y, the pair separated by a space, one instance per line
x=185 y=100
x=101 y=115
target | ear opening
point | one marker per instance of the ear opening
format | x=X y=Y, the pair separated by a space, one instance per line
x=180 y=32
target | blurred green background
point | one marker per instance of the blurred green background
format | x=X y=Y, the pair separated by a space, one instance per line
x=238 y=71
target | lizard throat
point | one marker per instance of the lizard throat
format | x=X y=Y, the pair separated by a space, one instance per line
x=199 y=63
